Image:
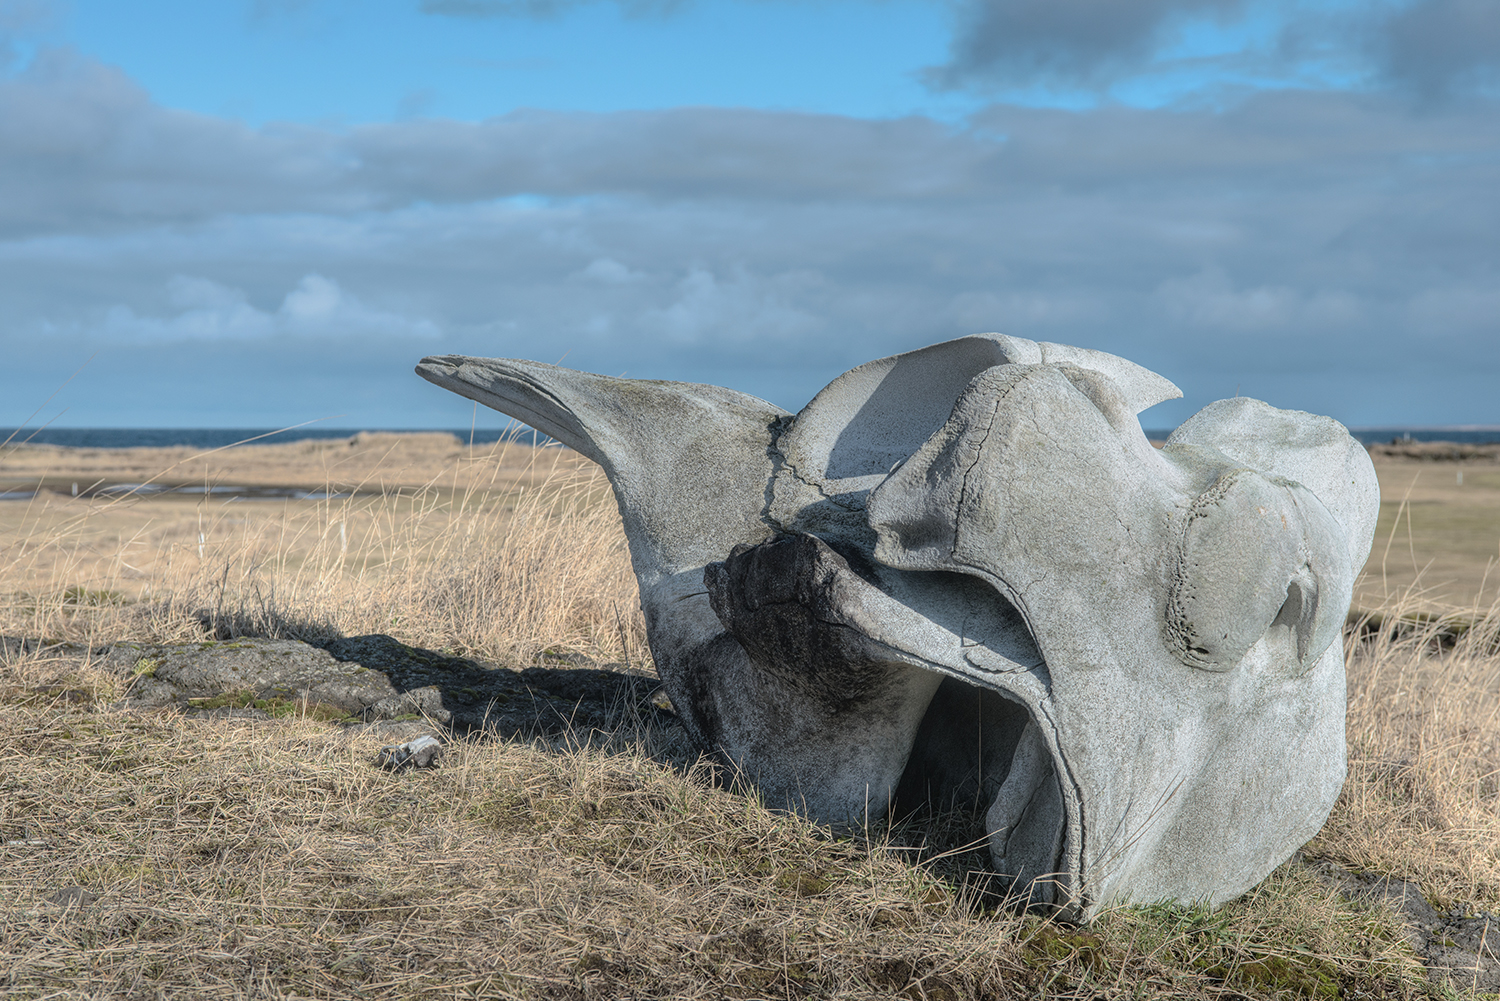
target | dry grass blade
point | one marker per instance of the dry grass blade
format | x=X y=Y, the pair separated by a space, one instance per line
x=1423 y=796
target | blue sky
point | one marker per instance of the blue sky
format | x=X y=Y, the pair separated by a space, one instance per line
x=347 y=62
x=261 y=213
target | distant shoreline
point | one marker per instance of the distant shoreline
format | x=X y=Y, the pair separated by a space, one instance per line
x=225 y=437
x=1465 y=434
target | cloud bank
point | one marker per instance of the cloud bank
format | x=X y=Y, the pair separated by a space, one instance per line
x=1328 y=250
x=1430 y=48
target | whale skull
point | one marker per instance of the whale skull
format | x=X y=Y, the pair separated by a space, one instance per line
x=962 y=575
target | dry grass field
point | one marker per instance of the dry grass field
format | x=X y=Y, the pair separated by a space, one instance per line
x=159 y=856
x=417 y=536
x=1438 y=539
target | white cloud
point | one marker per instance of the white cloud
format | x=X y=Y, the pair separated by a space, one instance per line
x=210 y=311
x=1439 y=48
x=1031 y=311
x=1162 y=50
x=316 y=300
x=607 y=271
x=188 y=293
x=741 y=307
x=1209 y=300
x=24 y=16
x=763 y=250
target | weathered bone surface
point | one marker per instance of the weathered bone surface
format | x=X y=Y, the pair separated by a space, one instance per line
x=962 y=575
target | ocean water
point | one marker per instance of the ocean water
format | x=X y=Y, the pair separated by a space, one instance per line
x=1467 y=434
x=221 y=437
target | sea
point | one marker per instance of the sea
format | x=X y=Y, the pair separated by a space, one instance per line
x=207 y=438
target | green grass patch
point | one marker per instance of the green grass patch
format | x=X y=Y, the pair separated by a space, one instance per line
x=277 y=706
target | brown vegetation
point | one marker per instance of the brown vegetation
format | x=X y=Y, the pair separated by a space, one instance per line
x=500 y=551
x=164 y=857
x=1438 y=538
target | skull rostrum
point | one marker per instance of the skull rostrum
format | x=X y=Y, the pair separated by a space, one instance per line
x=963 y=576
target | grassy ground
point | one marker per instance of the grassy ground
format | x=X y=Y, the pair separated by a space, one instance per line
x=243 y=860
x=153 y=856
x=500 y=550
x=1438 y=538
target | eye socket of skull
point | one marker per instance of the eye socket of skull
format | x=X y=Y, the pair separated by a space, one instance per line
x=1256 y=557
x=1299 y=615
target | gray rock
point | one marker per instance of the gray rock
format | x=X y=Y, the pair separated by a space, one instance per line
x=830 y=596
x=425 y=702
x=377 y=679
x=537 y=702
x=176 y=674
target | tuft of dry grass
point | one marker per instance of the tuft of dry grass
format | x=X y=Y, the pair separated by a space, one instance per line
x=1422 y=801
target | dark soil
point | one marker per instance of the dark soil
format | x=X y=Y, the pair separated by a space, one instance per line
x=1459 y=948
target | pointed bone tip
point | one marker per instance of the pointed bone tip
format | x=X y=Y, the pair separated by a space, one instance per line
x=439 y=368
